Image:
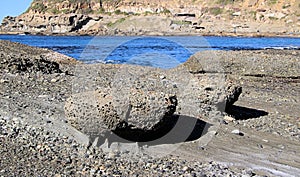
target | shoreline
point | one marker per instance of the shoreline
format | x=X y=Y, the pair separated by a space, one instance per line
x=250 y=35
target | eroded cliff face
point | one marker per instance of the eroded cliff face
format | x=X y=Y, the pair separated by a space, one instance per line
x=158 y=17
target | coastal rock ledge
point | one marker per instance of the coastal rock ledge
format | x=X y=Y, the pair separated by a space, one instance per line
x=168 y=17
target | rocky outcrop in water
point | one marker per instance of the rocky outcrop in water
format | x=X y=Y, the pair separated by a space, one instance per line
x=171 y=17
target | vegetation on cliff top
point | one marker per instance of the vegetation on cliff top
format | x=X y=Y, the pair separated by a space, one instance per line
x=100 y=6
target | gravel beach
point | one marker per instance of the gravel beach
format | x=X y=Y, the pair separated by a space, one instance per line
x=258 y=136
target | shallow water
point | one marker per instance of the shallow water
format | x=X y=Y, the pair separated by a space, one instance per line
x=164 y=52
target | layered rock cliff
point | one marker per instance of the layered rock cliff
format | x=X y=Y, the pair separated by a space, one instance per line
x=158 y=17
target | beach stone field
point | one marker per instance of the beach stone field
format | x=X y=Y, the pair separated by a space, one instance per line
x=221 y=113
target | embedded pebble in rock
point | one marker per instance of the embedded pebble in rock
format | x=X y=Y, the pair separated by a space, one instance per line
x=54 y=80
x=3 y=81
x=237 y=132
x=228 y=119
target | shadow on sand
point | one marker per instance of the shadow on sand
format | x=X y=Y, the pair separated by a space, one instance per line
x=179 y=129
x=243 y=113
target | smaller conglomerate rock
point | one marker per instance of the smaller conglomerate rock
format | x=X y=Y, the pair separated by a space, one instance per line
x=95 y=113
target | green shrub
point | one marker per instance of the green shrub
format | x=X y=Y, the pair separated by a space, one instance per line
x=148 y=13
x=54 y=11
x=181 y=22
x=287 y=6
x=39 y=7
x=101 y=10
x=65 y=11
x=253 y=14
x=118 y=12
x=111 y=24
x=271 y=2
x=216 y=10
x=166 y=11
x=273 y=18
x=225 y=2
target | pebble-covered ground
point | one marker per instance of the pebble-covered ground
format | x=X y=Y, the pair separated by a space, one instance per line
x=30 y=151
x=259 y=137
x=274 y=104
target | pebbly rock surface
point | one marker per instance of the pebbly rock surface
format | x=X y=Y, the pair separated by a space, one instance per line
x=208 y=92
x=96 y=114
x=138 y=101
x=18 y=58
x=137 y=106
x=92 y=113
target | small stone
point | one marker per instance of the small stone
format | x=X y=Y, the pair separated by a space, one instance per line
x=185 y=168
x=111 y=155
x=250 y=173
x=38 y=147
x=201 y=148
x=54 y=80
x=154 y=166
x=266 y=140
x=228 y=119
x=102 y=168
x=162 y=77
x=237 y=132
x=93 y=171
x=2 y=81
x=43 y=96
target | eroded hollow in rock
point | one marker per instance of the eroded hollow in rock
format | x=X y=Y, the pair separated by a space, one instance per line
x=172 y=130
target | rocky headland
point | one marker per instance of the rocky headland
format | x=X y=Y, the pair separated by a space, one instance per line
x=157 y=17
x=236 y=116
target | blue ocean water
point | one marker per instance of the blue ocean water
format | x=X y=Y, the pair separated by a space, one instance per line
x=162 y=52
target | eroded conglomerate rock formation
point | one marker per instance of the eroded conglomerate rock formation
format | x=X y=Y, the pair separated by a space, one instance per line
x=140 y=102
x=138 y=106
x=157 y=17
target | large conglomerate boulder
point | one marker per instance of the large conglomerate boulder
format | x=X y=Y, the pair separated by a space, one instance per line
x=138 y=101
